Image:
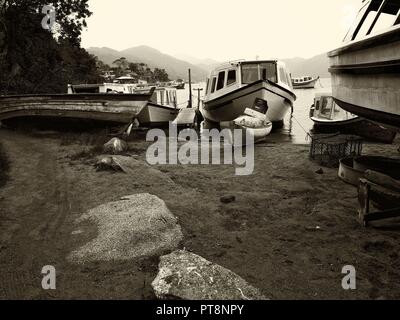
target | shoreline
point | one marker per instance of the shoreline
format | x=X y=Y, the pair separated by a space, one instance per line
x=288 y=233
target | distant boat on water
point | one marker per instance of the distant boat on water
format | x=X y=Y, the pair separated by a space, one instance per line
x=304 y=82
x=102 y=88
x=328 y=117
x=366 y=68
x=178 y=84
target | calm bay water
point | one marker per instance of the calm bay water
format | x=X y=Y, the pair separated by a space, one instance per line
x=296 y=124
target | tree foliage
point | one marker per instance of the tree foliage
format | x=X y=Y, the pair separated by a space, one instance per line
x=34 y=60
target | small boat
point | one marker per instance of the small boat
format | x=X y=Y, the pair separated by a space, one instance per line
x=233 y=87
x=179 y=84
x=366 y=68
x=102 y=88
x=252 y=123
x=304 y=82
x=161 y=109
x=352 y=169
x=328 y=117
x=120 y=108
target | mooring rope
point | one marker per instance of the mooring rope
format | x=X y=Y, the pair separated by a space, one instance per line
x=308 y=135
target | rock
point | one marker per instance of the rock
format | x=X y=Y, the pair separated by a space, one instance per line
x=115 y=146
x=107 y=163
x=228 y=199
x=319 y=171
x=184 y=275
x=136 y=226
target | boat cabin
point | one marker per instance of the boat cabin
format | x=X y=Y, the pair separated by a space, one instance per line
x=325 y=108
x=375 y=17
x=234 y=75
x=302 y=80
x=101 y=88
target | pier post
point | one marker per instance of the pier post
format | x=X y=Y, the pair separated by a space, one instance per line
x=190 y=90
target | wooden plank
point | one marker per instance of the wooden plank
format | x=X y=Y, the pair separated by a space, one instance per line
x=382 y=180
x=375 y=216
x=363 y=199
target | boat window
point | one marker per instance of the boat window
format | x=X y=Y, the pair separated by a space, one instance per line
x=373 y=17
x=268 y=71
x=282 y=76
x=358 y=20
x=231 y=77
x=221 y=80
x=207 y=85
x=387 y=17
x=249 y=73
x=252 y=72
x=214 y=82
x=326 y=107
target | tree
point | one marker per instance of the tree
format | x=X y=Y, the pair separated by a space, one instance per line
x=121 y=63
x=34 y=60
x=161 y=75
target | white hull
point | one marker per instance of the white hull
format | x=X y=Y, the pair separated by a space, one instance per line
x=233 y=105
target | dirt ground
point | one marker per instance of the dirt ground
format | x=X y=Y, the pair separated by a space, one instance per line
x=289 y=232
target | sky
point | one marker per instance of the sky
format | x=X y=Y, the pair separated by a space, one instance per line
x=222 y=29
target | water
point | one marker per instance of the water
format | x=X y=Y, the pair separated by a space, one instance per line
x=295 y=129
x=296 y=125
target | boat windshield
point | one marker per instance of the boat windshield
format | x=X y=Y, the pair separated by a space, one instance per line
x=326 y=107
x=252 y=72
x=373 y=17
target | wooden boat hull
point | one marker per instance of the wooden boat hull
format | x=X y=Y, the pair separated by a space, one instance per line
x=351 y=169
x=306 y=84
x=154 y=115
x=232 y=105
x=104 y=107
x=357 y=126
x=366 y=78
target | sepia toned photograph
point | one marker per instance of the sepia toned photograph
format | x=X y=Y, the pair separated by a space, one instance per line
x=226 y=151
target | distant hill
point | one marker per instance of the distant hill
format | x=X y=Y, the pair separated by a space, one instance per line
x=175 y=68
x=205 y=64
x=316 y=66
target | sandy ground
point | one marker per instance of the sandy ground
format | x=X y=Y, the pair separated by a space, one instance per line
x=268 y=235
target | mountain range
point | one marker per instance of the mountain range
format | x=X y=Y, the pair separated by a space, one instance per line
x=315 y=66
x=177 y=66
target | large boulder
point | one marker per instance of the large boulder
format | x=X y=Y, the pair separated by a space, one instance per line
x=136 y=226
x=184 y=275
